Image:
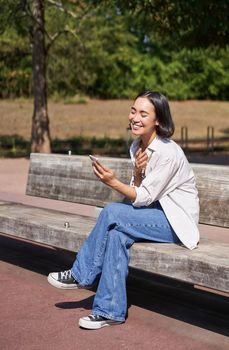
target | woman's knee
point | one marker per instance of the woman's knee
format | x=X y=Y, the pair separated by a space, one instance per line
x=113 y=208
x=107 y=213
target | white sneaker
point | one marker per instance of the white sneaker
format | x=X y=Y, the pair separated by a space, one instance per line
x=96 y=322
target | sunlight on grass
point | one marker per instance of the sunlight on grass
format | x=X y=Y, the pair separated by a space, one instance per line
x=110 y=118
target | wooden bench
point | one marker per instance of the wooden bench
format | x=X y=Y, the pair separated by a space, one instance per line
x=70 y=178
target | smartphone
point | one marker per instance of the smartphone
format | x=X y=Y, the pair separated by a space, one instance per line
x=93 y=158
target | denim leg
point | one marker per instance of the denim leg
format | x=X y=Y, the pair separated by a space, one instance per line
x=110 y=300
x=105 y=252
x=88 y=264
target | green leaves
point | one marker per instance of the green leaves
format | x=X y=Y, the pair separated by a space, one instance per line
x=194 y=23
x=111 y=50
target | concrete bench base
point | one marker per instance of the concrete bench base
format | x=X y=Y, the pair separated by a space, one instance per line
x=206 y=266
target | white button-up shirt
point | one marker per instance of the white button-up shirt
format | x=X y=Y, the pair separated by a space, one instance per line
x=169 y=179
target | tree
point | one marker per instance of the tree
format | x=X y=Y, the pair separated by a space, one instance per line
x=29 y=16
x=40 y=122
x=107 y=51
x=193 y=23
x=41 y=141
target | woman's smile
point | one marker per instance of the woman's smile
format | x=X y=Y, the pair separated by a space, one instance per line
x=136 y=126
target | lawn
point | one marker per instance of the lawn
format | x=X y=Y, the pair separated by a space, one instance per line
x=110 y=118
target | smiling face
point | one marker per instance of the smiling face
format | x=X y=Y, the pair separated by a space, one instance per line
x=143 y=119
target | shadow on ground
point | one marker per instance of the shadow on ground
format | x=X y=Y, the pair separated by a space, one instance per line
x=164 y=296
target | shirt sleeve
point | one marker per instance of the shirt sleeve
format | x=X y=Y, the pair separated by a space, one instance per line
x=157 y=183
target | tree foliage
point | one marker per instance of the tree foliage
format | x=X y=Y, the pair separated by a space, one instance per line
x=120 y=48
x=192 y=23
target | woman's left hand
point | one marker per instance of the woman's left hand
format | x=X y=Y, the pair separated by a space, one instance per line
x=105 y=174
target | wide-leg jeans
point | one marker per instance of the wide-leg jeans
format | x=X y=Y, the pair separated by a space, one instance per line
x=104 y=256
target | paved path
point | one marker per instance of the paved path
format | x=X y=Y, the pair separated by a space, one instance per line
x=35 y=316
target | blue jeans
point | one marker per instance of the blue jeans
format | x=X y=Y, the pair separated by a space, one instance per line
x=104 y=256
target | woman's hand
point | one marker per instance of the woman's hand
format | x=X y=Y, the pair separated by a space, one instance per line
x=141 y=159
x=105 y=174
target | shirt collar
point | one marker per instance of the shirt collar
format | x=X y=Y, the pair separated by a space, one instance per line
x=153 y=146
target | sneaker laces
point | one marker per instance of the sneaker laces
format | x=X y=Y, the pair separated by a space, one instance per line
x=96 y=317
x=65 y=274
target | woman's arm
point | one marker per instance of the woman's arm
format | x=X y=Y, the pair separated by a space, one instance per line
x=108 y=177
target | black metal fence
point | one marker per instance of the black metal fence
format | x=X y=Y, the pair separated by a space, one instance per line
x=210 y=144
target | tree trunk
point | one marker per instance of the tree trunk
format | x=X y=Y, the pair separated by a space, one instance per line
x=40 y=120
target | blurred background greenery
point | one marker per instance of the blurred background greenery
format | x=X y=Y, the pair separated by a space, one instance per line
x=113 y=52
x=96 y=51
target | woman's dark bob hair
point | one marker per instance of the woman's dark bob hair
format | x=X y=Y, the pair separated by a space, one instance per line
x=166 y=128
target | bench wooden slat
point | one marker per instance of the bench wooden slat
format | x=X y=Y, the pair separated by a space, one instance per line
x=207 y=266
x=213 y=186
x=70 y=178
x=45 y=225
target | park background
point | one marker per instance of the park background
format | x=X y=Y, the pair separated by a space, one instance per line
x=97 y=56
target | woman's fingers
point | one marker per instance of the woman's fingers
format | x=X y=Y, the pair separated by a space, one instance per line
x=100 y=166
x=139 y=154
x=97 y=165
x=142 y=164
x=101 y=171
x=142 y=158
x=139 y=151
x=106 y=176
x=96 y=172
